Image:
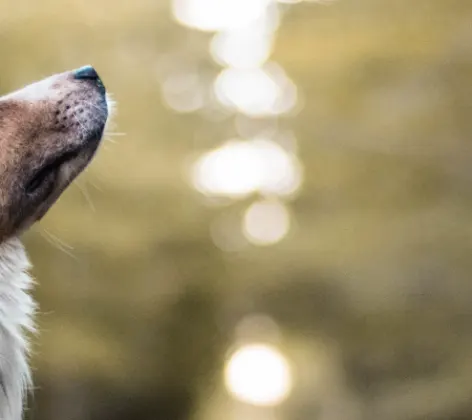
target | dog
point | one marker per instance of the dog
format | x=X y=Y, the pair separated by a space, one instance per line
x=49 y=132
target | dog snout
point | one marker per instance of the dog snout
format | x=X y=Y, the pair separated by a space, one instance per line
x=90 y=74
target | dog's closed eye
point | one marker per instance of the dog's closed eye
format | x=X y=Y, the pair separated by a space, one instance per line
x=45 y=177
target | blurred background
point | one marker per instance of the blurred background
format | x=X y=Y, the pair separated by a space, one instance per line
x=279 y=224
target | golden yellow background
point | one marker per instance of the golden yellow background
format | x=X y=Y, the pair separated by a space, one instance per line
x=369 y=294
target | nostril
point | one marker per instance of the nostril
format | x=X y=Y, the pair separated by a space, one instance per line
x=86 y=73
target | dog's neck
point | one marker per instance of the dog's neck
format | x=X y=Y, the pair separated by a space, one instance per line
x=16 y=318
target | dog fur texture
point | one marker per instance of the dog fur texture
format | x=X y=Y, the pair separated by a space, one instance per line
x=49 y=132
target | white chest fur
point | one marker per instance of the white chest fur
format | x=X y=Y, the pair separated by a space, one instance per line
x=16 y=318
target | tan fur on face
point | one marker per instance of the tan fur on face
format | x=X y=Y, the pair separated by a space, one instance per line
x=37 y=124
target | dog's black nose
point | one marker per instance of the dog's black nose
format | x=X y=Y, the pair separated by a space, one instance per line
x=86 y=72
x=89 y=73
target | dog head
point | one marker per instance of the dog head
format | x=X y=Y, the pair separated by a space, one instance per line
x=49 y=132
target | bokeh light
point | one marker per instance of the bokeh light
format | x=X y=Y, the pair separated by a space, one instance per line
x=258 y=327
x=248 y=47
x=218 y=15
x=241 y=167
x=258 y=374
x=256 y=92
x=266 y=222
x=183 y=92
x=291 y=174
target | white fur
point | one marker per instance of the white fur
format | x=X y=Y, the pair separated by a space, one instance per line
x=17 y=309
x=16 y=318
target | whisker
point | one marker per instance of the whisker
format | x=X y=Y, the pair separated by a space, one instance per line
x=85 y=193
x=58 y=243
x=100 y=110
x=95 y=185
x=83 y=130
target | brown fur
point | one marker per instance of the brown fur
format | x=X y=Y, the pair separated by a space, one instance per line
x=38 y=124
